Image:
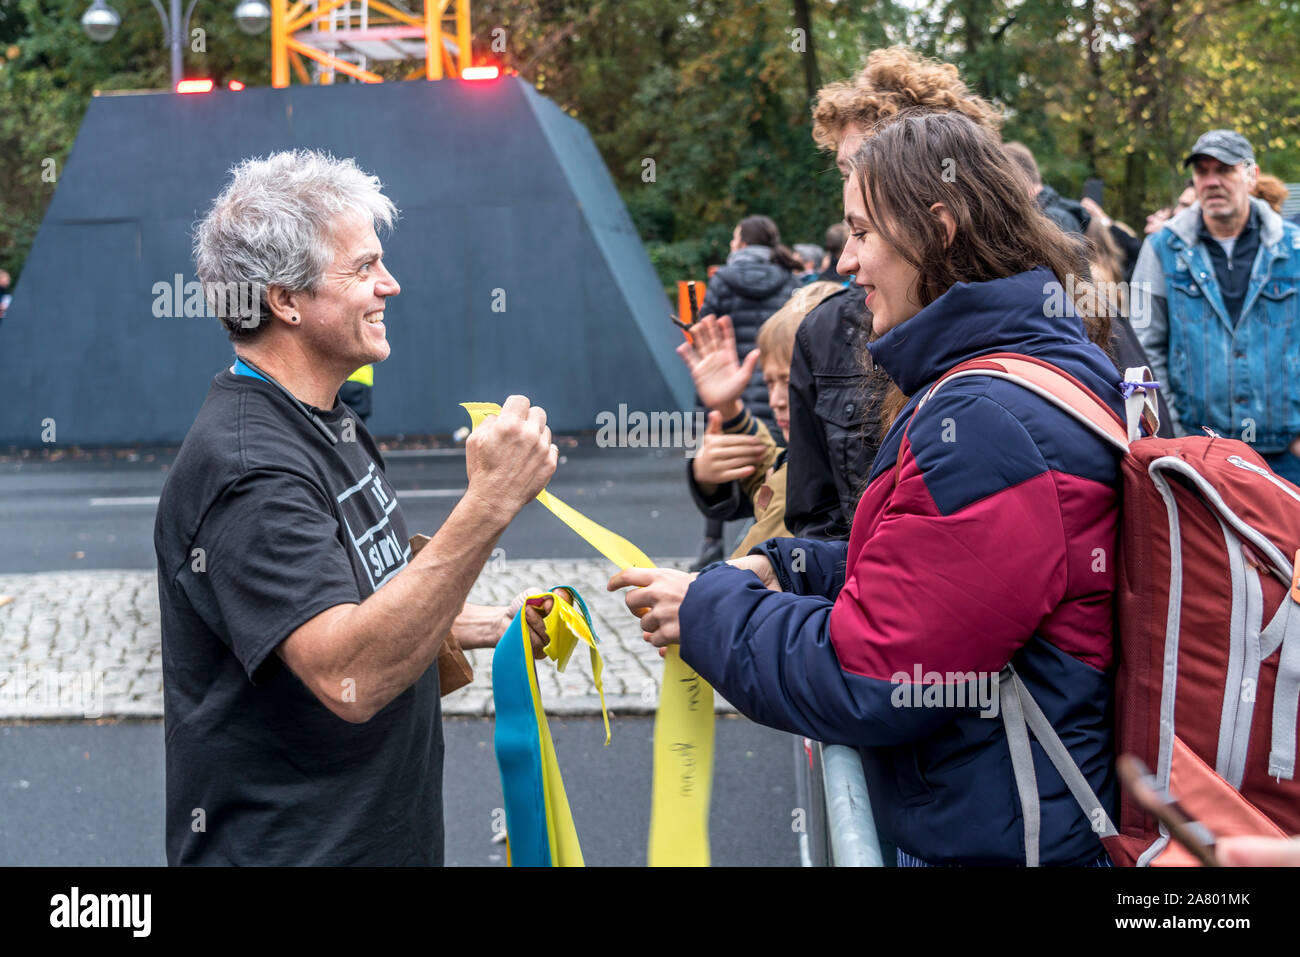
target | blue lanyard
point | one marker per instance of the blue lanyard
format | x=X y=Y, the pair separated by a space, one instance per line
x=241 y=369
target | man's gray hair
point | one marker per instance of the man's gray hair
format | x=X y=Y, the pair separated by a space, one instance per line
x=274 y=225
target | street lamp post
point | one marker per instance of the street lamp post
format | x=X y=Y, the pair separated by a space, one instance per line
x=101 y=21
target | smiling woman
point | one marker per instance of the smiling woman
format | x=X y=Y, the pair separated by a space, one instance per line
x=973 y=547
x=938 y=202
x=888 y=280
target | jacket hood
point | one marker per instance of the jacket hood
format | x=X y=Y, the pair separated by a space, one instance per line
x=1050 y=197
x=1187 y=224
x=754 y=278
x=754 y=252
x=1022 y=313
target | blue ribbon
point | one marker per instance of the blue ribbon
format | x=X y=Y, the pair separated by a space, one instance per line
x=518 y=742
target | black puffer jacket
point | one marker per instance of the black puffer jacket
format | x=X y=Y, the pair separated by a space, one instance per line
x=749 y=288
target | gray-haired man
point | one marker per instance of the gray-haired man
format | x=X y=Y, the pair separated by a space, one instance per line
x=300 y=637
x=1215 y=305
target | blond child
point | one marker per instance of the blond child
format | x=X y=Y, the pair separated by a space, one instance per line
x=739 y=469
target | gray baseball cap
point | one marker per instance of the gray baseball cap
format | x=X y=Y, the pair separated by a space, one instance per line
x=1226 y=146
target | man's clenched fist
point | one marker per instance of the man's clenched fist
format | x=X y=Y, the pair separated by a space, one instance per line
x=510 y=457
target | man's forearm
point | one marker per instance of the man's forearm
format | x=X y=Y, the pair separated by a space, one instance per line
x=390 y=639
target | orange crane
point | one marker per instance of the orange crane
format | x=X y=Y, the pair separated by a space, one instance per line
x=348 y=36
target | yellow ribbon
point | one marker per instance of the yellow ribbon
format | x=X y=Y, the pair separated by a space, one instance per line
x=565 y=627
x=683 y=742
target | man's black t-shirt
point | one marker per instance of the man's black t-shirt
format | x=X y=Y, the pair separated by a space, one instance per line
x=262 y=525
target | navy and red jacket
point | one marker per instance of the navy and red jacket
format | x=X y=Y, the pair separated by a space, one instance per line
x=987 y=534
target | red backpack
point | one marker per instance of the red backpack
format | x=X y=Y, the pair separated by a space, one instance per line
x=1208 y=615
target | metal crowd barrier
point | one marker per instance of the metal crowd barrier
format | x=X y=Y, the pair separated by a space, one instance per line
x=838 y=829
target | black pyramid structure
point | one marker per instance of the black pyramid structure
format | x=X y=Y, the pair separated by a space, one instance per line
x=503 y=199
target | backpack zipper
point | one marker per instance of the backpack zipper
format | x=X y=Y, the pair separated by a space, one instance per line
x=1241 y=463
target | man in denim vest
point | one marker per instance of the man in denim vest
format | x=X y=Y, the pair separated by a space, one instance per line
x=1216 y=304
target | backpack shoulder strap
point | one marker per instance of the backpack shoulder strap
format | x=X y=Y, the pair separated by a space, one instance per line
x=1057 y=386
x=1021 y=717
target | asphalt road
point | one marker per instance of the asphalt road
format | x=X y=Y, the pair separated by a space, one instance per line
x=74 y=794
x=84 y=514
x=92 y=794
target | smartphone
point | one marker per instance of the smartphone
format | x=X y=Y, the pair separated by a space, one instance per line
x=694 y=311
x=1093 y=189
x=1157 y=802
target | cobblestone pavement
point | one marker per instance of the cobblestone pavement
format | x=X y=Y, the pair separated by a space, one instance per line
x=88 y=644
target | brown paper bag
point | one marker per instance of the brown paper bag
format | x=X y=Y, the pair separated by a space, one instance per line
x=454 y=670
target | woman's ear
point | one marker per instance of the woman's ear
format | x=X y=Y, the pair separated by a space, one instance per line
x=945 y=216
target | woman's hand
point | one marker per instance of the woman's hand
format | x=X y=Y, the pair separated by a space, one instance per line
x=723 y=457
x=760 y=566
x=720 y=378
x=656 y=599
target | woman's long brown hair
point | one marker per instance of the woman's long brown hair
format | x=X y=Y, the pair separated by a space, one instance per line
x=918 y=158
x=762 y=230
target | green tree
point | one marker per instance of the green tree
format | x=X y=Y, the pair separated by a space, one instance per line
x=50 y=69
x=717 y=92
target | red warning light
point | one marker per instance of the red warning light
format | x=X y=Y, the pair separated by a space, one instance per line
x=194 y=86
x=235 y=85
x=480 y=73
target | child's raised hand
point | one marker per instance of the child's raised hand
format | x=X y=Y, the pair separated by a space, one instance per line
x=720 y=377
